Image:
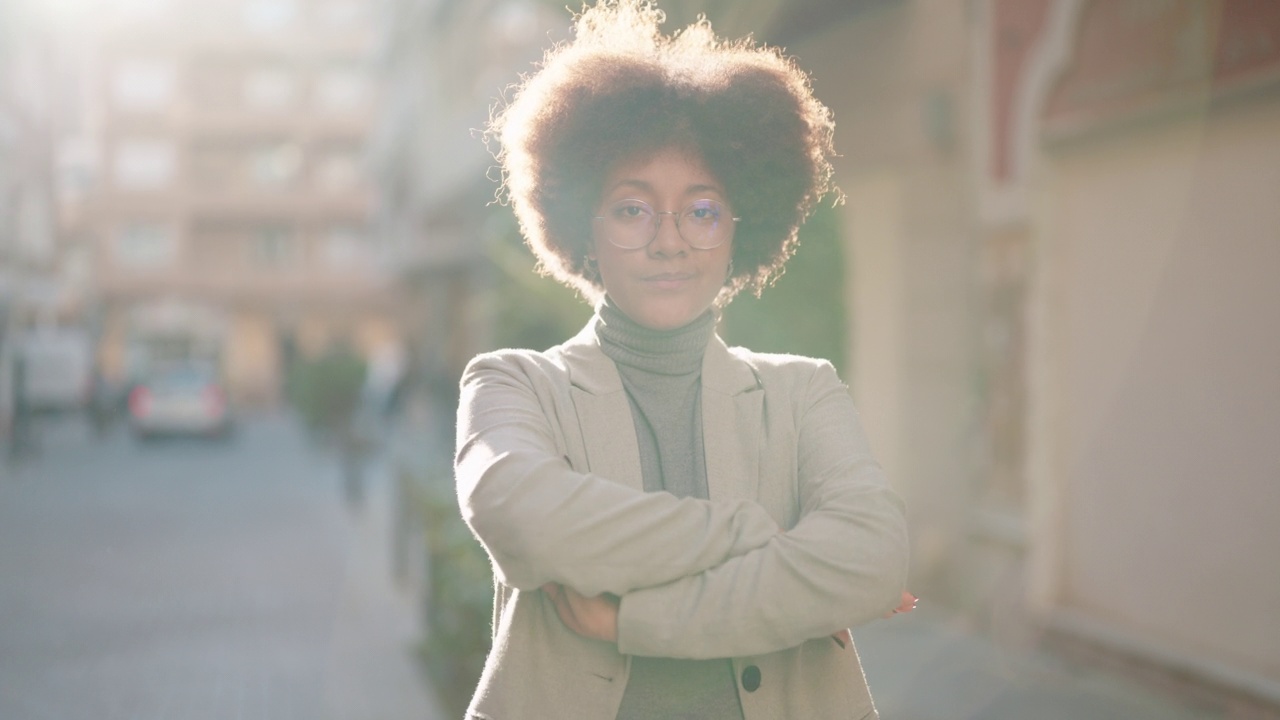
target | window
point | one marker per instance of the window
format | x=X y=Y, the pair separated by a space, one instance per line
x=273 y=247
x=269 y=15
x=270 y=88
x=275 y=165
x=143 y=85
x=144 y=163
x=342 y=88
x=143 y=245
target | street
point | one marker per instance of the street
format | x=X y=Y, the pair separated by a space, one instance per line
x=199 y=579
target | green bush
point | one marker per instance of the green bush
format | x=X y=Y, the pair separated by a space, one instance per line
x=326 y=390
x=459 y=603
x=804 y=312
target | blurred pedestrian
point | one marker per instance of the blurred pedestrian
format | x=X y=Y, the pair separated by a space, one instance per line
x=22 y=439
x=677 y=528
x=101 y=407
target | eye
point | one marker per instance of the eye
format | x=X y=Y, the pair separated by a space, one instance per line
x=629 y=211
x=704 y=211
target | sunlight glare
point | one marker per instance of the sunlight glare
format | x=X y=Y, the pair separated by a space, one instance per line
x=78 y=13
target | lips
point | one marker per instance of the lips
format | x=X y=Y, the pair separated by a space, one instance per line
x=669 y=280
x=670 y=276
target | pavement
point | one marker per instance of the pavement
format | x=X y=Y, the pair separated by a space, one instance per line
x=928 y=665
x=376 y=669
x=198 y=580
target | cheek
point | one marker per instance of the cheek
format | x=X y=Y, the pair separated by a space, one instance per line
x=610 y=265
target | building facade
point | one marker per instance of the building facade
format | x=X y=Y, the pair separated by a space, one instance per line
x=1150 y=472
x=43 y=271
x=1063 y=251
x=442 y=63
x=231 y=216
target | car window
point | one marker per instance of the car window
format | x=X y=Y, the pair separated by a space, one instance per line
x=183 y=378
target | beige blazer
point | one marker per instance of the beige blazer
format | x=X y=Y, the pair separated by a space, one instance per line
x=801 y=536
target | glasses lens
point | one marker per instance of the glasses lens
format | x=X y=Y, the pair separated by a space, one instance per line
x=703 y=224
x=630 y=224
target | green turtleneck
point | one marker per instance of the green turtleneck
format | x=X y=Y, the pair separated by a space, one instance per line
x=662 y=373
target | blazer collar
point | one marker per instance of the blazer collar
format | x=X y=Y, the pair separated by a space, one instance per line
x=732 y=407
x=591 y=370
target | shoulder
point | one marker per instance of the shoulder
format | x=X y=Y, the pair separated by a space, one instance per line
x=783 y=368
x=549 y=364
x=796 y=381
x=513 y=361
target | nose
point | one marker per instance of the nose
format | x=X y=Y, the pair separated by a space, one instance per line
x=668 y=241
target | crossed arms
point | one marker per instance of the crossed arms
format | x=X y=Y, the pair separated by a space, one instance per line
x=679 y=577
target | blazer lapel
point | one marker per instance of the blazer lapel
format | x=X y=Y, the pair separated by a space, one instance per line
x=732 y=408
x=604 y=413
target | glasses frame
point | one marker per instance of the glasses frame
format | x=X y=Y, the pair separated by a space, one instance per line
x=657 y=225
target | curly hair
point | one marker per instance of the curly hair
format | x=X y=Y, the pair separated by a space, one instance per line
x=621 y=89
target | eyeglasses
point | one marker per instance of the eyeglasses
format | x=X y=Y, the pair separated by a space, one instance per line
x=632 y=224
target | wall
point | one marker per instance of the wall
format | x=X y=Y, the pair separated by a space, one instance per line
x=1161 y=262
x=894 y=77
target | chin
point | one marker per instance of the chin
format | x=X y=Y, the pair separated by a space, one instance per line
x=658 y=312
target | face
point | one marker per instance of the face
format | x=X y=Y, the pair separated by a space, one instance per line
x=667 y=283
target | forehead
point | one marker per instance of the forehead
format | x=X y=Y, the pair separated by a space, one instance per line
x=666 y=170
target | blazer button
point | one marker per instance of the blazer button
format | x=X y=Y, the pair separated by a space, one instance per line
x=751 y=678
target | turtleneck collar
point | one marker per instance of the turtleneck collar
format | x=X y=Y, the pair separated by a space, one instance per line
x=666 y=352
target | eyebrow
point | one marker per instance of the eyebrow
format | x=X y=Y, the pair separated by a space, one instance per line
x=642 y=185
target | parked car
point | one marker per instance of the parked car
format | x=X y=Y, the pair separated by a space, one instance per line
x=184 y=399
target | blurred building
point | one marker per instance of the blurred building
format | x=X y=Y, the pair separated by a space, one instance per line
x=231 y=216
x=43 y=278
x=441 y=63
x=1062 y=228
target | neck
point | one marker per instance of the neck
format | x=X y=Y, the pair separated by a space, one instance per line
x=669 y=352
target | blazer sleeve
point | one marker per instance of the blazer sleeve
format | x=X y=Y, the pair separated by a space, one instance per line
x=843 y=564
x=540 y=521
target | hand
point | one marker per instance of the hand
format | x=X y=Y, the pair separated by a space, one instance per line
x=907 y=605
x=844 y=638
x=591 y=617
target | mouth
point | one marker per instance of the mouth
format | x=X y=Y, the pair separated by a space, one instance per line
x=669 y=280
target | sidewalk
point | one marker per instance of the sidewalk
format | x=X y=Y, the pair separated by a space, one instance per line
x=374 y=672
x=923 y=666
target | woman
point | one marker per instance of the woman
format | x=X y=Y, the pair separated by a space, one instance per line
x=677 y=529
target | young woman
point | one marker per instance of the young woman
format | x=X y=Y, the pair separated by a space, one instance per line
x=677 y=528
